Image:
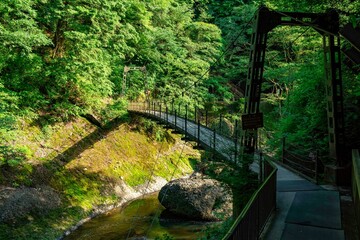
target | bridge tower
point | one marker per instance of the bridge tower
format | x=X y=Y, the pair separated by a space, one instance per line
x=327 y=24
x=128 y=69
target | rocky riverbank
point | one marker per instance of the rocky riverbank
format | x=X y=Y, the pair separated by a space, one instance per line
x=126 y=193
x=76 y=171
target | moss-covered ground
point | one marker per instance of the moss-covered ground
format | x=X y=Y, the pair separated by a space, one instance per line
x=83 y=164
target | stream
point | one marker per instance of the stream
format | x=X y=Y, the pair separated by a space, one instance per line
x=139 y=219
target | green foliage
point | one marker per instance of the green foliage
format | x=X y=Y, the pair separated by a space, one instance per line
x=295 y=89
x=62 y=59
x=184 y=47
x=152 y=130
x=46 y=227
x=14 y=156
x=217 y=231
x=115 y=109
x=84 y=192
x=18 y=27
x=233 y=18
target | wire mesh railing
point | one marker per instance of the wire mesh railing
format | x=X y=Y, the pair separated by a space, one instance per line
x=304 y=163
x=355 y=182
x=190 y=124
x=253 y=218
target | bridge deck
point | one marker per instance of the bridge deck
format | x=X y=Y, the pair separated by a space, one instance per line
x=304 y=211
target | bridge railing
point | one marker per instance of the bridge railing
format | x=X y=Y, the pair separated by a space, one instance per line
x=190 y=124
x=253 y=218
x=305 y=163
x=356 y=182
x=212 y=119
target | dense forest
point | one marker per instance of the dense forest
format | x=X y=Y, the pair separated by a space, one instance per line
x=61 y=59
x=64 y=60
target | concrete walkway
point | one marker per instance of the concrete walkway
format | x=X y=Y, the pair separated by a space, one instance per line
x=305 y=211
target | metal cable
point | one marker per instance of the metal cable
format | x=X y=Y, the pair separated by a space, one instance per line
x=291 y=43
x=147 y=186
x=171 y=178
x=223 y=142
x=219 y=58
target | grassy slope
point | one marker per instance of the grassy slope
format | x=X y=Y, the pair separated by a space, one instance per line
x=85 y=164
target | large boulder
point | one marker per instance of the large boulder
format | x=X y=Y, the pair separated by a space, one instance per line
x=197 y=198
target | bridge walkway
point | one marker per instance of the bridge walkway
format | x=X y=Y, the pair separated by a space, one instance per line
x=305 y=211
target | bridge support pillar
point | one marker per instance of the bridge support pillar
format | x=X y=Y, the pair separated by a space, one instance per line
x=326 y=24
x=255 y=73
x=334 y=97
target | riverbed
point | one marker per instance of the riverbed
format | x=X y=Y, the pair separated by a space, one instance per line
x=142 y=218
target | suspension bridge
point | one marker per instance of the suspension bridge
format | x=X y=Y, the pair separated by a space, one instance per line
x=228 y=148
x=303 y=210
x=307 y=211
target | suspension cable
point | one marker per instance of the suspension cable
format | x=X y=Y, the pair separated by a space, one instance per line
x=217 y=60
x=146 y=188
x=291 y=43
x=171 y=178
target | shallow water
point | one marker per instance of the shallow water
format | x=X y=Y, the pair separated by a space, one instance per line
x=140 y=218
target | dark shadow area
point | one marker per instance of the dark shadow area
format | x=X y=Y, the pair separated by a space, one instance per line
x=43 y=172
x=67 y=182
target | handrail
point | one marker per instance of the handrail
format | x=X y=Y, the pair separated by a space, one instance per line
x=251 y=221
x=356 y=182
x=224 y=146
x=306 y=166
